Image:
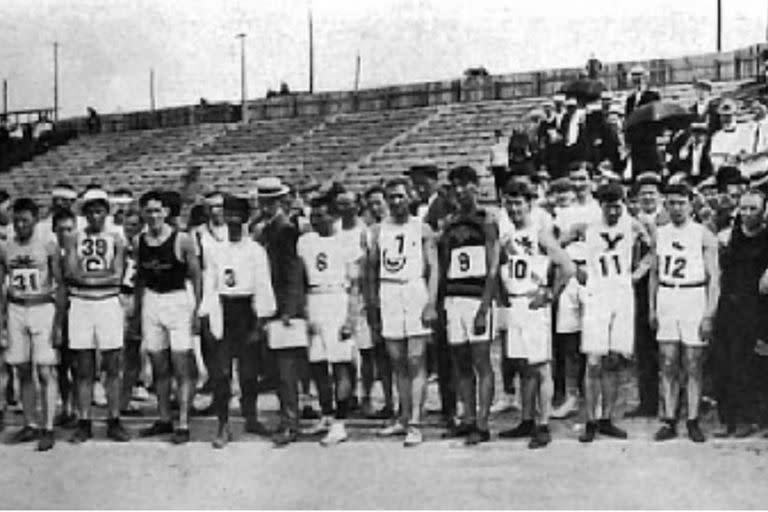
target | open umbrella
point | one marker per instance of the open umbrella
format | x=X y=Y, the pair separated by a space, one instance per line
x=584 y=89
x=658 y=115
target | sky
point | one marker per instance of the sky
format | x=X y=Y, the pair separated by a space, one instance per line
x=107 y=47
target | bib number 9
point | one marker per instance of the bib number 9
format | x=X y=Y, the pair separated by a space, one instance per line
x=467 y=262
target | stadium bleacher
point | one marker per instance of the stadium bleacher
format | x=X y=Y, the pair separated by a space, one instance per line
x=360 y=148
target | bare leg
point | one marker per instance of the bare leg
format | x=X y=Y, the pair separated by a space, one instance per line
x=110 y=363
x=85 y=361
x=28 y=393
x=610 y=385
x=48 y=392
x=592 y=378
x=161 y=375
x=185 y=372
x=398 y=354
x=669 y=357
x=417 y=372
x=546 y=389
x=529 y=385
x=693 y=361
x=481 y=360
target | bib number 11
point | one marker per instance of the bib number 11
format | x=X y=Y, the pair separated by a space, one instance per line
x=607 y=262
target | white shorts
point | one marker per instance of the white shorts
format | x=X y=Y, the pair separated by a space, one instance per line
x=166 y=321
x=328 y=311
x=96 y=324
x=401 y=307
x=569 y=308
x=529 y=332
x=679 y=312
x=501 y=318
x=29 y=334
x=460 y=320
x=609 y=322
x=290 y=336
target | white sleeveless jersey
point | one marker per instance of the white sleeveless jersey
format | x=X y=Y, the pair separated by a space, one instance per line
x=681 y=254
x=527 y=263
x=325 y=259
x=352 y=240
x=401 y=253
x=95 y=255
x=28 y=267
x=608 y=251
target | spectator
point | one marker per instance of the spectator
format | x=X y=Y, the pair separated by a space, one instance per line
x=522 y=153
x=704 y=108
x=642 y=142
x=94 y=121
x=499 y=161
x=740 y=317
x=689 y=152
x=550 y=141
x=733 y=142
x=571 y=132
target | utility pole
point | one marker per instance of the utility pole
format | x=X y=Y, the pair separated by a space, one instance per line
x=152 y=89
x=55 y=81
x=357 y=72
x=719 y=26
x=5 y=99
x=243 y=101
x=311 y=56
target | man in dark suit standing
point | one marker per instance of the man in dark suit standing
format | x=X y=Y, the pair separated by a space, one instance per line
x=705 y=109
x=643 y=150
x=287 y=333
x=689 y=153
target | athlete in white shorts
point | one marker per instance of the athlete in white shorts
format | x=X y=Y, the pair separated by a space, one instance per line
x=683 y=292
x=333 y=308
x=30 y=262
x=95 y=261
x=610 y=245
x=165 y=260
x=529 y=251
x=402 y=253
x=469 y=263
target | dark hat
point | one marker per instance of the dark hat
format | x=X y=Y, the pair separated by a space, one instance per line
x=648 y=178
x=428 y=170
x=729 y=175
x=609 y=192
x=727 y=106
x=702 y=84
x=561 y=185
x=699 y=127
x=678 y=188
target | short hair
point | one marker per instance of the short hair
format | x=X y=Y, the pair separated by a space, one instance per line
x=4 y=195
x=464 y=174
x=609 y=192
x=516 y=188
x=680 y=188
x=561 y=185
x=431 y=171
x=152 y=195
x=236 y=204
x=376 y=189
x=62 y=215
x=198 y=215
x=25 y=204
x=172 y=200
x=396 y=182
x=648 y=178
x=322 y=200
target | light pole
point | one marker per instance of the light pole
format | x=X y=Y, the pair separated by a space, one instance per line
x=55 y=81
x=243 y=103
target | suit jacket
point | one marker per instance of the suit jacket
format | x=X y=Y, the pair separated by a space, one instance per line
x=710 y=116
x=678 y=163
x=647 y=96
x=279 y=237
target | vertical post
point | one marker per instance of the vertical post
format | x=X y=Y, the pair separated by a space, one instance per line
x=243 y=101
x=311 y=56
x=719 y=26
x=55 y=81
x=5 y=99
x=357 y=73
x=152 y=89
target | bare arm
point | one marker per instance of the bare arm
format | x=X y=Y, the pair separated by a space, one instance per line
x=430 y=258
x=653 y=285
x=55 y=266
x=264 y=304
x=565 y=266
x=576 y=232
x=712 y=270
x=492 y=255
x=642 y=235
x=371 y=290
x=187 y=255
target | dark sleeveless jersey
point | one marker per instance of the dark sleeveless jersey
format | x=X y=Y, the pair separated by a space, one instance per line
x=462 y=255
x=159 y=268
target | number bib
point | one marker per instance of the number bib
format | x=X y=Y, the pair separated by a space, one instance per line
x=26 y=280
x=401 y=251
x=526 y=273
x=466 y=262
x=610 y=256
x=96 y=253
x=325 y=259
x=680 y=254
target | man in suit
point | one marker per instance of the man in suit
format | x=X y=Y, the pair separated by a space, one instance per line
x=643 y=151
x=572 y=132
x=287 y=333
x=705 y=109
x=689 y=152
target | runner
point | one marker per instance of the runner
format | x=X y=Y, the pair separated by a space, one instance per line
x=402 y=253
x=531 y=251
x=333 y=308
x=30 y=260
x=94 y=268
x=469 y=264
x=683 y=293
x=165 y=260
x=608 y=325
x=237 y=300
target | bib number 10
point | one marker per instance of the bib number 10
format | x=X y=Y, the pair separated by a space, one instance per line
x=610 y=264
